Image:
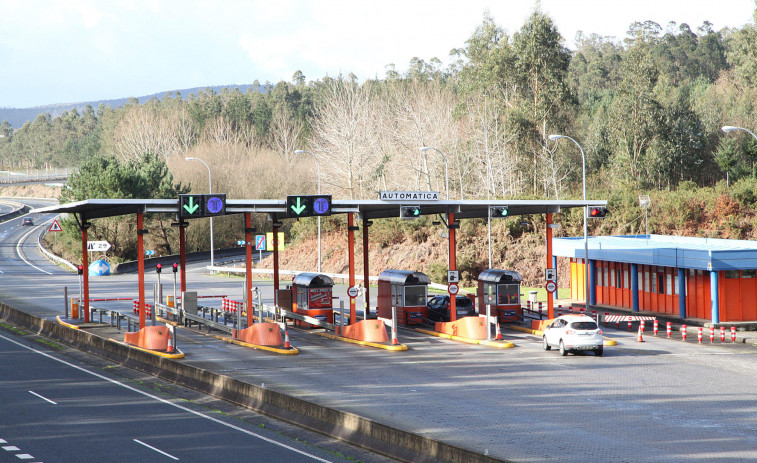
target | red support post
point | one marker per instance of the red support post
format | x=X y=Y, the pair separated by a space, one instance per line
x=141 y=269
x=366 y=273
x=275 y=263
x=351 y=256
x=452 y=264
x=248 y=266
x=85 y=275
x=550 y=299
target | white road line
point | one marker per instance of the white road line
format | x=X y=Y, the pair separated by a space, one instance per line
x=156 y=449
x=11 y=448
x=180 y=407
x=18 y=251
x=43 y=398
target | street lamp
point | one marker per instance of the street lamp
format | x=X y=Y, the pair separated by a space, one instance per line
x=210 y=191
x=318 y=164
x=586 y=234
x=446 y=165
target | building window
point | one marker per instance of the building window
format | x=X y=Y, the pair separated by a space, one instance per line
x=606 y=279
x=619 y=278
x=748 y=273
x=654 y=282
x=625 y=278
x=675 y=284
x=646 y=281
x=612 y=278
x=670 y=284
x=732 y=274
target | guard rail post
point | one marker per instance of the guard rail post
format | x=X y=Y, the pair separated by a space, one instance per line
x=65 y=300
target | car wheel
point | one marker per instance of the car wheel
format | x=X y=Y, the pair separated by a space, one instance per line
x=563 y=352
x=546 y=344
x=599 y=351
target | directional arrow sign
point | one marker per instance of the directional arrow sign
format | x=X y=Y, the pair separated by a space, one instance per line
x=190 y=206
x=298 y=206
x=97 y=246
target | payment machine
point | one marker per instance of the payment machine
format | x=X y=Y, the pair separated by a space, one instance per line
x=501 y=290
x=405 y=290
x=313 y=297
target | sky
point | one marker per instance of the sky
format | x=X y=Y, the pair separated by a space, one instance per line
x=70 y=51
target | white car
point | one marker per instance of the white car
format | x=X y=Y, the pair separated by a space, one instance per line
x=574 y=333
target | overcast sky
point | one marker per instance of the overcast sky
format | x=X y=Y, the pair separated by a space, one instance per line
x=66 y=51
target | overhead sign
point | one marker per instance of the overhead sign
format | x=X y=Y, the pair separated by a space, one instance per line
x=197 y=206
x=260 y=242
x=55 y=227
x=269 y=241
x=97 y=246
x=409 y=195
x=308 y=205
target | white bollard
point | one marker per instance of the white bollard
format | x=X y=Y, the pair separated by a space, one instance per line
x=488 y=322
x=394 y=325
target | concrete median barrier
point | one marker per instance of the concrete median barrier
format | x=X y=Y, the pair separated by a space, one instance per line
x=352 y=428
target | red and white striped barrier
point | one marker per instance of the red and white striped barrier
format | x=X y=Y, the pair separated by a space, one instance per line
x=669 y=329
x=148 y=308
x=733 y=334
x=712 y=334
x=231 y=306
x=722 y=334
x=699 y=335
x=655 y=327
x=559 y=311
x=641 y=326
x=683 y=331
x=570 y=309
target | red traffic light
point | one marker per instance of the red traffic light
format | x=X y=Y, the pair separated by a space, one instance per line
x=80 y=270
x=598 y=212
x=175 y=267
x=158 y=268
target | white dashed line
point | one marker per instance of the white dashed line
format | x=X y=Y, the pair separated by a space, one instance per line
x=156 y=449
x=43 y=398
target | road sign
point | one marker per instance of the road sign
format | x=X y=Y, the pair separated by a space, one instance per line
x=352 y=292
x=453 y=276
x=150 y=252
x=269 y=241
x=308 y=205
x=550 y=274
x=551 y=286
x=190 y=206
x=241 y=242
x=97 y=246
x=55 y=227
x=453 y=289
x=322 y=205
x=196 y=206
x=215 y=204
x=260 y=242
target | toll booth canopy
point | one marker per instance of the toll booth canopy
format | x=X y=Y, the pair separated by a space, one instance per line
x=405 y=290
x=501 y=290
x=313 y=296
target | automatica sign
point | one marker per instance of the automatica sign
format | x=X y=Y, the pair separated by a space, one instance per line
x=409 y=195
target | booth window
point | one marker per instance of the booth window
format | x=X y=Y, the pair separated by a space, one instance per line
x=302 y=297
x=732 y=274
x=748 y=273
x=670 y=284
x=490 y=294
x=508 y=294
x=415 y=296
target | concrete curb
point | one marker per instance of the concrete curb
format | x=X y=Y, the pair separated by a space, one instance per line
x=352 y=428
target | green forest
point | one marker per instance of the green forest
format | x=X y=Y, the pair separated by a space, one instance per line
x=647 y=111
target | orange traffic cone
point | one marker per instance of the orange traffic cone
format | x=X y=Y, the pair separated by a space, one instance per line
x=639 y=338
x=499 y=333
x=169 y=348
x=394 y=336
x=286 y=340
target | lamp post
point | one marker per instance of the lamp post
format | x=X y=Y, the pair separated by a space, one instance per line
x=446 y=166
x=318 y=165
x=210 y=191
x=731 y=128
x=586 y=234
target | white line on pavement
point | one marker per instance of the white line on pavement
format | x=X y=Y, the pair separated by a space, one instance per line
x=154 y=448
x=43 y=398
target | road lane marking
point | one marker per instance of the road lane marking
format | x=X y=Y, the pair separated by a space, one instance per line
x=11 y=448
x=18 y=251
x=167 y=402
x=43 y=398
x=156 y=449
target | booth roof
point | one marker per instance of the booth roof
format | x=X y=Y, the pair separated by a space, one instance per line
x=312 y=279
x=404 y=277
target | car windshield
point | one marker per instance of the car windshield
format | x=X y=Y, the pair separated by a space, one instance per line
x=584 y=325
x=463 y=302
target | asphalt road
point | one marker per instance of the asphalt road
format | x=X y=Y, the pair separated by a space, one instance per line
x=657 y=401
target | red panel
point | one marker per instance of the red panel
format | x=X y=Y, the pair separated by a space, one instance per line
x=749 y=298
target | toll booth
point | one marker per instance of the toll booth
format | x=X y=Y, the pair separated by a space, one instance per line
x=405 y=290
x=501 y=290
x=313 y=297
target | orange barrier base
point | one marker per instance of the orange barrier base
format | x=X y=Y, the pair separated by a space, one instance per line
x=149 y=337
x=539 y=325
x=365 y=330
x=262 y=334
x=466 y=327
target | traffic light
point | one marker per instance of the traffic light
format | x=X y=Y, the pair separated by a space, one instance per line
x=158 y=268
x=175 y=267
x=196 y=206
x=80 y=270
x=410 y=212
x=308 y=205
x=598 y=212
x=498 y=212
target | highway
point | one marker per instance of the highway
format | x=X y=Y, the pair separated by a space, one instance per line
x=661 y=400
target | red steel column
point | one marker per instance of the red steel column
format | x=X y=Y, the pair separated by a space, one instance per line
x=351 y=254
x=275 y=264
x=366 y=273
x=248 y=266
x=141 y=269
x=85 y=275
x=452 y=264
x=183 y=255
x=550 y=299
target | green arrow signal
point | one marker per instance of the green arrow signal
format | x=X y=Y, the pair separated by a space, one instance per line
x=299 y=207
x=416 y=211
x=191 y=208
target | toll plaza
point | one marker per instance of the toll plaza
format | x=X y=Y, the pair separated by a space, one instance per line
x=405 y=291
x=500 y=290
x=312 y=296
x=405 y=205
